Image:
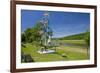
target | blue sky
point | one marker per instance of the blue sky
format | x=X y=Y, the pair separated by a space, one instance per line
x=62 y=23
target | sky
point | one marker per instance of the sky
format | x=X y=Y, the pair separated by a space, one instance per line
x=62 y=23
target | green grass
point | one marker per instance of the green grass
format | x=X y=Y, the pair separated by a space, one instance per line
x=32 y=50
x=79 y=42
x=71 y=52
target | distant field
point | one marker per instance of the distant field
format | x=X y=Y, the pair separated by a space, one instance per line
x=70 y=52
x=73 y=41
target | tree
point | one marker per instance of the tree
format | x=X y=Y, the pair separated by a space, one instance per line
x=23 y=38
x=87 y=40
x=28 y=34
x=32 y=34
x=36 y=31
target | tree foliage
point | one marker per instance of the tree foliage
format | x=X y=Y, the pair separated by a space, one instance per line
x=31 y=34
x=87 y=38
x=79 y=36
x=23 y=37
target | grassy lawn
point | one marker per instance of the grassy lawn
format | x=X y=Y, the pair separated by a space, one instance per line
x=70 y=52
x=78 y=42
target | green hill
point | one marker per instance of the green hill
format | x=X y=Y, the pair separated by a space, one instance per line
x=73 y=37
